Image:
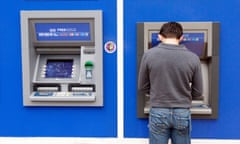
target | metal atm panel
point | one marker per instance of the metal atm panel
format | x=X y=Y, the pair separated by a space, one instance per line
x=62 y=59
x=209 y=56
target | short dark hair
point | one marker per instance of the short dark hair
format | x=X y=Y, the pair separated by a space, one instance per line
x=171 y=30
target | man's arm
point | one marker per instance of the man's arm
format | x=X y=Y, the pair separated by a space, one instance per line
x=197 y=84
x=143 y=76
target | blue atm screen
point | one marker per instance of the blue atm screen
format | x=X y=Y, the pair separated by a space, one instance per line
x=63 y=31
x=193 y=41
x=59 y=69
x=155 y=39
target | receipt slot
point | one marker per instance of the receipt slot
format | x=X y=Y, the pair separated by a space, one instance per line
x=202 y=38
x=62 y=58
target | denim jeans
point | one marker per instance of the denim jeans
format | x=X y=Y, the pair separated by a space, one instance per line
x=169 y=123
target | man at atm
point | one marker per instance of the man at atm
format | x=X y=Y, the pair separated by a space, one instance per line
x=171 y=75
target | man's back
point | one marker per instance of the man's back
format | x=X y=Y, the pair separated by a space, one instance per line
x=170 y=69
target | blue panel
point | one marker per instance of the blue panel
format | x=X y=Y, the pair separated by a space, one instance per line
x=19 y=121
x=63 y=31
x=225 y=12
x=193 y=41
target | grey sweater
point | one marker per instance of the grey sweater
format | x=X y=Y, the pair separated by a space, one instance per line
x=172 y=75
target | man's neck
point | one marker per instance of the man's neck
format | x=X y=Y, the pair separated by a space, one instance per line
x=171 y=41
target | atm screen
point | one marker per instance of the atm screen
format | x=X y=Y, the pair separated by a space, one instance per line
x=59 y=69
x=63 y=31
x=193 y=41
x=155 y=39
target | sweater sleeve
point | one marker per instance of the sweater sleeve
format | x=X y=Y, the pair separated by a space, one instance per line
x=197 y=84
x=143 y=76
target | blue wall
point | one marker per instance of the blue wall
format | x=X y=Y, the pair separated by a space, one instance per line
x=19 y=121
x=227 y=13
x=16 y=120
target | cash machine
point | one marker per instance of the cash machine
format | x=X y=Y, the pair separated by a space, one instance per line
x=62 y=62
x=202 y=38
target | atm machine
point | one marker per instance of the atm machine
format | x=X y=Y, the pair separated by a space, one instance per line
x=62 y=60
x=202 y=38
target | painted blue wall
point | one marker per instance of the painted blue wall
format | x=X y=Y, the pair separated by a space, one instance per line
x=16 y=120
x=227 y=13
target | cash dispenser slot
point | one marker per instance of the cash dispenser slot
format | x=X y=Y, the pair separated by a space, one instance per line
x=86 y=92
x=198 y=107
x=81 y=88
x=44 y=90
x=47 y=87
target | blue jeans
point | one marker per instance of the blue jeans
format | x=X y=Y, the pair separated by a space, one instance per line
x=169 y=123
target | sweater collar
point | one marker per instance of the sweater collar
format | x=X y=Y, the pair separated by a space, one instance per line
x=172 y=46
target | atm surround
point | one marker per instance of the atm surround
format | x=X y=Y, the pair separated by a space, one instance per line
x=202 y=38
x=62 y=58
